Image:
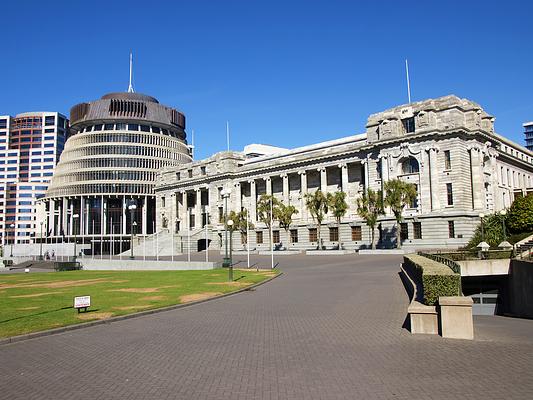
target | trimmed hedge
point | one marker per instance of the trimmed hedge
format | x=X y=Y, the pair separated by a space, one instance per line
x=437 y=279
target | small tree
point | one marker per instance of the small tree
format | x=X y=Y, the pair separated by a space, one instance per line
x=317 y=204
x=370 y=207
x=492 y=231
x=285 y=213
x=398 y=195
x=520 y=215
x=234 y=217
x=242 y=224
x=338 y=207
x=264 y=208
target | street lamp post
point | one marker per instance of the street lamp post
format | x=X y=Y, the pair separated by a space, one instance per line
x=12 y=226
x=502 y=213
x=74 y=218
x=225 y=193
x=132 y=208
x=230 y=266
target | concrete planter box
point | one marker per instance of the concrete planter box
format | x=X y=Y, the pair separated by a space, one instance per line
x=142 y=265
x=329 y=252
x=456 y=317
x=386 y=251
x=279 y=252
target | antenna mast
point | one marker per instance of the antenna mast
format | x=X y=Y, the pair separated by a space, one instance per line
x=130 y=87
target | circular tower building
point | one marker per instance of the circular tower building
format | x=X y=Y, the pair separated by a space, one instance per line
x=103 y=186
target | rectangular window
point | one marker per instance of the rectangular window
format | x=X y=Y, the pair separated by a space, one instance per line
x=49 y=120
x=357 y=233
x=449 y=194
x=417 y=230
x=189 y=172
x=202 y=170
x=259 y=237
x=220 y=215
x=178 y=177
x=447 y=159
x=404 y=231
x=275 y=237
x=192 y=220
x=451 y=229
x=313 y=235
x=163 y=202
x=334 y=234
x=294 y=235
x=409 y=124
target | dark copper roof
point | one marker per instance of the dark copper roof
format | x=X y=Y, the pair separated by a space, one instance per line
x=130 y=96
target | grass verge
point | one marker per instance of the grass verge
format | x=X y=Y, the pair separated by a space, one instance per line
x=39 y=301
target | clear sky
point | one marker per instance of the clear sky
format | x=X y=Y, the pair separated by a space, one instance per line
x=286 y=73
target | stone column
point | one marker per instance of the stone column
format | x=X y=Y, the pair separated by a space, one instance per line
x=286 y=193
x=103 y=217
x=344 y=177
x=64 y=217
x=253 y=201
x=71 y=218
x=238 y=197
x=434 y=178
x=185 y=220
x=198 y=210
x=323 y=179
x=303 y=192
x=268 y=184
x=476 y=179
x=144 y=217
x=365 y=177
x=51 y=217
x=83 y=216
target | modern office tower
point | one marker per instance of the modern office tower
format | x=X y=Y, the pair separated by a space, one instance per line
x=103 y=187
x=30 y=145
x=528 y=132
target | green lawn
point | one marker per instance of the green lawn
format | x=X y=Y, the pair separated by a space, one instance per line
x=38 y=301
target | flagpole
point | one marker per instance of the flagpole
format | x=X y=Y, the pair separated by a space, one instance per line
x=271 y=232
x=206 y=236
x=408 y=83
x=247 y=239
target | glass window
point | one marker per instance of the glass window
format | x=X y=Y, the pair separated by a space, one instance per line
x=451 y=229
x=449 y=194
x=357 y=233
x=313 y=235
x=334 y=234
x=294 y=235
x=98 y=127
x=49 y=120
x=410 y=166
x=259 y=237
x=409 y=124
x=155 y=129
x=89 y=128
x=417 y=230
x=109 y=127
x=447 y=160
x=275 y=236
x=145 y=128
x=202 y=170
x=404 y=231
x=120 y=127
x=133 y=127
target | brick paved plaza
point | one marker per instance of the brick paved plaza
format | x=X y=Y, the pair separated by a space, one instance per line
x=329 y=328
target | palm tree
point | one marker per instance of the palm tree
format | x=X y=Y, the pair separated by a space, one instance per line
x=338 y=207
x=370 y=207
x=285 y=213
x=398 y=195
x=317 y=204
x=264 y=208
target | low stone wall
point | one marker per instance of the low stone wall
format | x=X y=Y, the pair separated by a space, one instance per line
x=329 y=252
x=387 y=251
x=142 y=265
x=520 y=293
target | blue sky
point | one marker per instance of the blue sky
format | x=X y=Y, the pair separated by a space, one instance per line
x=287 y=73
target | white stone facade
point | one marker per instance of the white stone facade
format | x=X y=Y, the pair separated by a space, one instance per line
x=446 y=146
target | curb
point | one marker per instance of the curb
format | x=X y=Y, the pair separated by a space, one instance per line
x=49 y=332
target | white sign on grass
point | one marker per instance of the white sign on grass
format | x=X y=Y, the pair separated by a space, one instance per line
x=82 y=301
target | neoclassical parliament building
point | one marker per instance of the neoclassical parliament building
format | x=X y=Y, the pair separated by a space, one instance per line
x=447 y=147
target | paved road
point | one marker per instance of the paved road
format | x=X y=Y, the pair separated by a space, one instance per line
x=329 y=328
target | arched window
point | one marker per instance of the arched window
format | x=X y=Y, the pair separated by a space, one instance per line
x=410 y=166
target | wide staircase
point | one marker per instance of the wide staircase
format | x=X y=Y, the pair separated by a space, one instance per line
x=160 y=243
x=34 y=264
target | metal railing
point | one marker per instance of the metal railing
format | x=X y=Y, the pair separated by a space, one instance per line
x=455 y=267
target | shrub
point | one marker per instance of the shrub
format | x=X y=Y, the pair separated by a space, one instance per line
x=492 y=231
x=437 y=279
x=520 y=215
